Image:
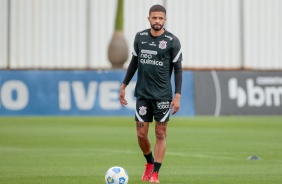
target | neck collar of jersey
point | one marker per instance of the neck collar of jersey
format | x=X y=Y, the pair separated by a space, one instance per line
x=156 y=36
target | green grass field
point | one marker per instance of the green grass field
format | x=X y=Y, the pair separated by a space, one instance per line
x=200 y=150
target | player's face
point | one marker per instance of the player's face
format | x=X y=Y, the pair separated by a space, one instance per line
x=157 y=20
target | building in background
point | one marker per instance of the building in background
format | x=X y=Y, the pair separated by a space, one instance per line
x=215 y=34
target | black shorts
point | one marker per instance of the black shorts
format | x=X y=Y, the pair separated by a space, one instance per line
x=147 y=109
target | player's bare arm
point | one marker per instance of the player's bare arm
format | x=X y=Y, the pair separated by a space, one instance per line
x=122 y=99
x=175 y=103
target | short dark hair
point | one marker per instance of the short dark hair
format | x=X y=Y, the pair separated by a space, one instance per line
x=157 y=8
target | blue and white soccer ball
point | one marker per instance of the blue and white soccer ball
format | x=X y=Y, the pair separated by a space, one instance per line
x=116 y=175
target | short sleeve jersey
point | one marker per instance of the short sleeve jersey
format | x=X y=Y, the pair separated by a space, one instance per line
x=156 y=56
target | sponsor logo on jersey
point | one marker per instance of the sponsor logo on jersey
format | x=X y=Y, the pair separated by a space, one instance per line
x=162 y=44
x=169 y=37
x=144 y=42
x=151 y=62
x=152 y=44
x=144 y=33
x=163 y=105
x=146 y=58
x=142 y=110
x=149 y=52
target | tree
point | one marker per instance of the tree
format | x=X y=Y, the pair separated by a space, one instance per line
x=118 y=50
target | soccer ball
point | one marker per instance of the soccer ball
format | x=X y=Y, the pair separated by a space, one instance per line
x=116 y=175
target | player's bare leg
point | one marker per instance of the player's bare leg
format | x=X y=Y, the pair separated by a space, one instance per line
x=145 y=146
x=160 y=148
x=142 y=135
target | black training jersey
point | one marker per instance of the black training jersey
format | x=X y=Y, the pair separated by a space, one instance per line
x=156 y=56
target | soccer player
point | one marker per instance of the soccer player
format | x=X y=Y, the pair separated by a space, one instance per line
x=156 y=54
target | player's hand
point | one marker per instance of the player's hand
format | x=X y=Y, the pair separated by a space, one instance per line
x=122 y=95
x=175 y=103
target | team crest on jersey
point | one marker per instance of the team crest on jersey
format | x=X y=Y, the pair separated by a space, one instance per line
x=142 y=110
x=162 y=44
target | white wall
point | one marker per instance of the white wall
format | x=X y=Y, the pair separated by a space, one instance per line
x=71 y=34
x=263 y=34
x=48 y=34
x=3 y=34
x=101 y=28
x=209 y=31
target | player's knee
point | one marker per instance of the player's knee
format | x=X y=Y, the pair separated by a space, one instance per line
x=142 y=136
x=160 y=134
